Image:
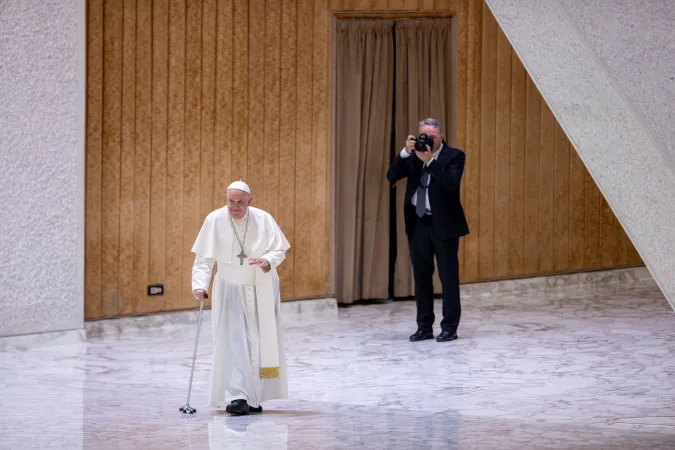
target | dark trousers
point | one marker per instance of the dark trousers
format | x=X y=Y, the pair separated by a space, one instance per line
x=424 y=245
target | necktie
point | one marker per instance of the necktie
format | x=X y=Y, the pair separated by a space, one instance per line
x=421 y=207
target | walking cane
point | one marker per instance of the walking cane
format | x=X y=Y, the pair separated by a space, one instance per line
x=187 y=409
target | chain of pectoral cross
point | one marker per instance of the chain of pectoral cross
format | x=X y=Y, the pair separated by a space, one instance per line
x=241 y=254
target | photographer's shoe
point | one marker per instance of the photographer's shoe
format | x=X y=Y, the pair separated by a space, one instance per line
x=421 y=335
x=446 y=336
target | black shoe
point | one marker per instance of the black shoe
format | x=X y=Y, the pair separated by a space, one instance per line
x=238 y=408
x=421 y=335
x=446 y=336
x=253 y=410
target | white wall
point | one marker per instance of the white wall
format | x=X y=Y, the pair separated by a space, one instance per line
x=635 y=42
x=587 y=62
x=42 y=95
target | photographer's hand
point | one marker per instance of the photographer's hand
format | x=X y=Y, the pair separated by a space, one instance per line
x=410 y=144
x=425 y=156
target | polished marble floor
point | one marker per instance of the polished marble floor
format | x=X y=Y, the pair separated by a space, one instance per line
x=566 y=368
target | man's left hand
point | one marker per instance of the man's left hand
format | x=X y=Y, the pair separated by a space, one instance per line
x=262 y=262
x=425 y=156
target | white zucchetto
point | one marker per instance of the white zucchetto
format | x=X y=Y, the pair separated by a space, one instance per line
x=240 y=185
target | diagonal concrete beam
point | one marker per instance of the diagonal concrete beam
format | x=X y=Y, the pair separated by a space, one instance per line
x=620 y=154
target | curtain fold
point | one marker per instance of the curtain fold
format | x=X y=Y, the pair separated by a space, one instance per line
x=425 y=86
x=364 y=120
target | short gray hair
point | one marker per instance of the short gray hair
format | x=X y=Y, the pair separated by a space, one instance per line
x=431 y=122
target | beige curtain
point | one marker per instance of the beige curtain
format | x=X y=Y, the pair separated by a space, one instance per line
x=363 y=127
x=426 y=81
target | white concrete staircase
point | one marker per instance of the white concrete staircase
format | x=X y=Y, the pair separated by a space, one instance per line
x=587 y=58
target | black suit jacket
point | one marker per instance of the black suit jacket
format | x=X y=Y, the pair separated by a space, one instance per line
x=444 y=188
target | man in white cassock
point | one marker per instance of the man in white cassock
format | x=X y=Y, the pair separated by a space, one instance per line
x=246 y=245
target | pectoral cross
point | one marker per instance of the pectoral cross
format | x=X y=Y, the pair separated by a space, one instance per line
x=241 y=257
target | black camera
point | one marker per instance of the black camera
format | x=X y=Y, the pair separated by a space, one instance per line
x=422 y=141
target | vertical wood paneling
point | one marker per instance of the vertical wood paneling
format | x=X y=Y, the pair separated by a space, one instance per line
x=94 y=145
x=287 y=138
x=577 y=202
x=462 y=54
x=532 y=180
x=473 y=139
x=592 y=223
x=319 y=232
x=487 y=146
x=561 y=201
x=607 y=227
x=184 y=97
x=158 y=172
x=256 y=100
x=113 y=32
x=223 y=128
x=175 y=151
x=142 y=153
x=126 y=249
x=208 y=110
x=502 y=157
x=272 y=99
x=193 y=185
x=208 y=113
x=546 y=190
x=303 y=146
x=517 y=193
x=240 y=100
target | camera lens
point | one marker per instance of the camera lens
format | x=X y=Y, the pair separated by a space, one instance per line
x=422 y=141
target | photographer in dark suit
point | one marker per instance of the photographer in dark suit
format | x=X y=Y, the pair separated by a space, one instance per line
x=434 y=222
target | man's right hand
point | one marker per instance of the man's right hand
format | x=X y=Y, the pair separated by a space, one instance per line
x=410 y=144
x=200 y=294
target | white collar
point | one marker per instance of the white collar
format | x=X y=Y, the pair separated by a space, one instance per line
x=437 y=152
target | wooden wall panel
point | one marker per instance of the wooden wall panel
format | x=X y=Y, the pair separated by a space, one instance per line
x=111 y=152
x=272 y=100
x=502 y=158
x=462 y=98
x=320 y=150
x=288 y=134
x=127 y=174
x=94 y=149
x=517 y=192
x=561 y=201
x=175 y=149
x=255 y=161
x=158 y=150
x=532 y=180
x=142 y=153
x=222 y=164
x=208 y=112
x=471 y=179
x=185 y=96
x=193 y=185
x=303 y=147
x=488 y=142
x=546 y=175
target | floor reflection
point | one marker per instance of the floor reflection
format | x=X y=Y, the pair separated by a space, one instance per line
x=560 y=370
